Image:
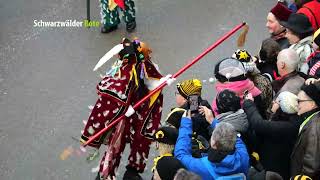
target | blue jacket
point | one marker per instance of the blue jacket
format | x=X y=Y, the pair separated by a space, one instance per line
x=231 y=164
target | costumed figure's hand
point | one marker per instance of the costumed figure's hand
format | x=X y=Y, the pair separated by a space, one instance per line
x=207 y=113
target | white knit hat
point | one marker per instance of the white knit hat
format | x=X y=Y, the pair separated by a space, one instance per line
x=288 y=102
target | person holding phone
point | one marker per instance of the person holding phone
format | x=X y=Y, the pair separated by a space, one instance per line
x=188 y=96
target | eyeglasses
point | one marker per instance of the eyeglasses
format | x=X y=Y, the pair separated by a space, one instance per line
x=304 y=100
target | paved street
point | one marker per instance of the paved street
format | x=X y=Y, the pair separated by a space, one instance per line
x=47 y=82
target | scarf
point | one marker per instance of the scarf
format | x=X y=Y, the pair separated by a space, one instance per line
x=239 y=87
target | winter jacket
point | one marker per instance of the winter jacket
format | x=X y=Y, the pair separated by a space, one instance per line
x=303 y=49
x=277 y=137
x=268 y=70
x=305 y=158
x=311 y=10
x=291 y=82
x=283 y=42
x=238 y=162
x=281 y=39
x=199 y=123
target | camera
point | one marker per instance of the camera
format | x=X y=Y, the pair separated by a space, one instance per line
x=193 y=103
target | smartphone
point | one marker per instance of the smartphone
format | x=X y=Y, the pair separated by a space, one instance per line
x=194 y=103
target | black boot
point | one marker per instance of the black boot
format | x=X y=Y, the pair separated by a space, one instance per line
x=131 y=26
x=131 y=174
x=108 y=29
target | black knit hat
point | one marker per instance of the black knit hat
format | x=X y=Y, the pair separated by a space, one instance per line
x=313 y=91
x=227 y=101
x=166 y=135
x=174 y=117
x=167 y=167
x=230 y=69
x=298 y=23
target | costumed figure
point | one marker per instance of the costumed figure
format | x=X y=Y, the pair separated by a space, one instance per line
x=131 y=78
x=110 y=14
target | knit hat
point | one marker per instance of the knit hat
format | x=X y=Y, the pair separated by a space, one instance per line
x=227 y=101
x=174 y=117
x=288 y=102
x=281 y=12
x=189 y=87
x=166 y=135
x=230 y=70
x=167 y=167
x=316 y=37
x=313 y=91
x=242 y=55
x=300 y=177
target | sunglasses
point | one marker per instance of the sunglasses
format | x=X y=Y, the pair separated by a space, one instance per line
x=304 y=100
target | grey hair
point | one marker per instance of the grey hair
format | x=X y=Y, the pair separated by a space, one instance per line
x=183 y=174
x=224 y=137
x=290 y=58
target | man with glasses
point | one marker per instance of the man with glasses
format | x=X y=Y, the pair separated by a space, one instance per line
x=305 y=157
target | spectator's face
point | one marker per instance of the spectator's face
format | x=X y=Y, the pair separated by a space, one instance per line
x=273 y=24
x=305 y=104
x=292 y=38
x=180 y=100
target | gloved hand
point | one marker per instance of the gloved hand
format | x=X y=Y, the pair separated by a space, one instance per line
x=199 y=145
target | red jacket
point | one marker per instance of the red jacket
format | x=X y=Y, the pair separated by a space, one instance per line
x=312 y=11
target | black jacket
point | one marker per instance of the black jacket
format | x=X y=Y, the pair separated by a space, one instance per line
x=283 y=42
x=276 y=138
x=199 y=123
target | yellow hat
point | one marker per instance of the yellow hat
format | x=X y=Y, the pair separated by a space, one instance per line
x=300 y=177
x=316 y=37
x=189 y=87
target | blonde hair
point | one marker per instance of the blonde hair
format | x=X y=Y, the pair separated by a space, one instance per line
x=165 y=148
